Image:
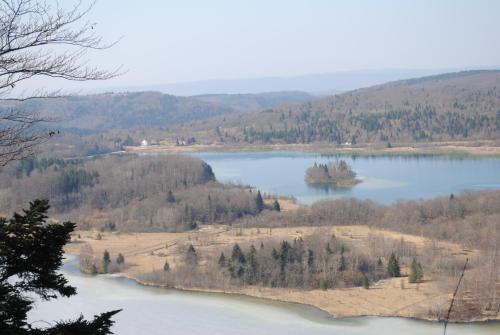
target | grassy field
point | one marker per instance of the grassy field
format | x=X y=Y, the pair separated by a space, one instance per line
x=147 y=252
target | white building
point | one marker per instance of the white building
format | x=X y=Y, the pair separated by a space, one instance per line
x=144 y=143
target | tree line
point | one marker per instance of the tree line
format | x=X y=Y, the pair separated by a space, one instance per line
x=140 y=193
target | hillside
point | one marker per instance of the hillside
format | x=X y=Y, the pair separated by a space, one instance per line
x=94 y=114
x=454 y=106
x=127 y=192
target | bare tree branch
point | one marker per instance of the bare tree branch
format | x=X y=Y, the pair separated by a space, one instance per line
x=40 y=39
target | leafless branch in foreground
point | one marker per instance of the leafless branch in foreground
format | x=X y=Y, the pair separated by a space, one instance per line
x=40 y=39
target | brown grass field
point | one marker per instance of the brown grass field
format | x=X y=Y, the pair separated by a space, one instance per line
x=147 y=252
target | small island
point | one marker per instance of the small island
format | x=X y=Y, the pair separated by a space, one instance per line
x=335 y=174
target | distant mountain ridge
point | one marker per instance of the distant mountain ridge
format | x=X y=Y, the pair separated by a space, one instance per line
x=451 y=106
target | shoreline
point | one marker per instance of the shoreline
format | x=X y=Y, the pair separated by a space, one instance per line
x=479 y=149
x=242 y=293
x=145 y=252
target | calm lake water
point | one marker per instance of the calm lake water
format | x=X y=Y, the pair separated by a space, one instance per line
x=156 y=311
x=385 y=179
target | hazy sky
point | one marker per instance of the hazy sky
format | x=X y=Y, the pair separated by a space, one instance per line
x=169 y=41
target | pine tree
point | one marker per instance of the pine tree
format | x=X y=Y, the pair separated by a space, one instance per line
x=310 y=259
x=166 y=266
x=259 y=202
x=222 y=260
x=328 y=249
x=170 y=197
x=416 y=272
x=366 y=282
x=252 y=264
x=106 y=260
x=276 y=206
x=237 y=255
x=342 y=264
x=191 y=256
x=275 y=254
x=31 y=255
x=120 y=259
x=393 y=268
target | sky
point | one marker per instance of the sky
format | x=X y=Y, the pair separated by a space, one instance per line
x=165 y=41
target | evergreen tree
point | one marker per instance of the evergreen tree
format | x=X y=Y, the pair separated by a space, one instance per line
x=416 y=272
x=238 y=261
x=166 y=266
x=393 y=268
x=259 y=202
x=310 y=258
x=276 y=206
x=237 y=255
x=379 y=263
x=191 y=256
x=170 y=197
x=342 y=263
x=366 y=282
x=275 y=254
x=328 y=249
x=106 y=260
x=252 y=264
x=222 y=260
x=120 y=259
x=31 y=254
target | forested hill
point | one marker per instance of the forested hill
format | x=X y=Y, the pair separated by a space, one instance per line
x=455 y=106
x=98 y=113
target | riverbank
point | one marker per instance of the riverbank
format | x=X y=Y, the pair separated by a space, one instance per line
x=147 y=252
x=456 y=148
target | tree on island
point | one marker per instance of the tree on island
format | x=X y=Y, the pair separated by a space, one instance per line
x=336 y=174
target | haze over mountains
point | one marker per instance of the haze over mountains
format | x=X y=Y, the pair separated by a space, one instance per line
x=320 y=83
x=462 y=105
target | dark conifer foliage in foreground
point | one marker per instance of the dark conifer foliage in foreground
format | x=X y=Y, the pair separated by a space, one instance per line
x=31 y=254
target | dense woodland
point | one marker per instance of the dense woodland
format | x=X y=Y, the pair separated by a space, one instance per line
x=147 y=193
x=459 y=106
x=95 y=114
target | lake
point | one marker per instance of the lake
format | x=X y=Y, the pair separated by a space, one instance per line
x=385 y=179
x=155 y=311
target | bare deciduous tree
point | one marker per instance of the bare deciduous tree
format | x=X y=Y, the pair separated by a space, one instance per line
x=38 y=39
